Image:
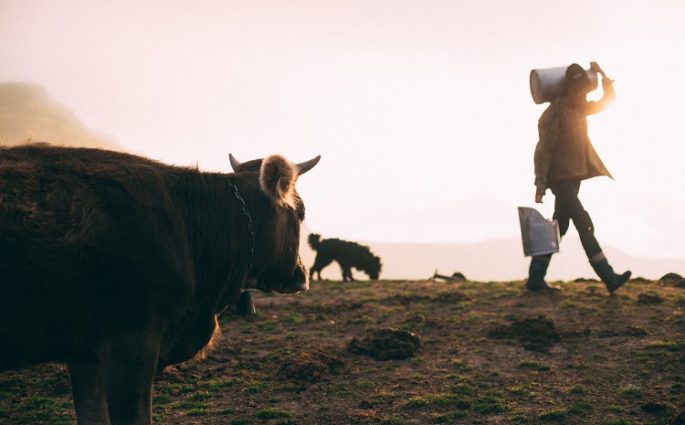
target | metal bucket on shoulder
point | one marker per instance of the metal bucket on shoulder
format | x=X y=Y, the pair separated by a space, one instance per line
x=548 y=83
x=539 y=235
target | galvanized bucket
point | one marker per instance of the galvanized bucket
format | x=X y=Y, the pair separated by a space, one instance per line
x=540 y=236
x=548 y=83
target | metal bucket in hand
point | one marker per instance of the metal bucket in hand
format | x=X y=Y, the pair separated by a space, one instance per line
x=548 y=83
x=540 y=236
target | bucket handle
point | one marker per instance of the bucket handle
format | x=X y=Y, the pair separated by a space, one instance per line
x=545 y=209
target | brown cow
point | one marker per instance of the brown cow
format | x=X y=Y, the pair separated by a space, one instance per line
x=119 y=265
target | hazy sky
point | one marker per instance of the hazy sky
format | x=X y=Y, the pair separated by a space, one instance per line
x=420 y=109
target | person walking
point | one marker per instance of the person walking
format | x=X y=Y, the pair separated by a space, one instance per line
x=564 y=156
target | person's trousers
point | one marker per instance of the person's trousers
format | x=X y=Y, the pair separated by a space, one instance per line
x=567 y=207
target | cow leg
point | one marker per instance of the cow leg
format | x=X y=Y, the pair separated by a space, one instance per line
x=88 y=386
x=130 y=376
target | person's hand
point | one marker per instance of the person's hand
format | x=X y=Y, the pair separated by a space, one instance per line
x=598 y=69
x=539 y=193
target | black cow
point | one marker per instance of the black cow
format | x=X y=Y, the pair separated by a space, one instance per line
x=119 y=265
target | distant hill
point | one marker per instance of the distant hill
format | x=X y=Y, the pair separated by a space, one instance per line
x=28 y=113
x=496 y=260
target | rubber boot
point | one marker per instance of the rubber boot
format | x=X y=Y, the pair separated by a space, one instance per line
x=536 y=274
x=611 y=280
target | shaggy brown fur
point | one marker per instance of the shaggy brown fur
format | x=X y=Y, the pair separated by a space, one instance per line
x=347 y=254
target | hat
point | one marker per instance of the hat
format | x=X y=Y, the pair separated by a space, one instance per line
x=575 y=72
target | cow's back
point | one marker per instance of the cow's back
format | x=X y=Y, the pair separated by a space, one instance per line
x=78 y=230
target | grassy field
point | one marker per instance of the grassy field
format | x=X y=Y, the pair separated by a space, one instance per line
x=489 y=354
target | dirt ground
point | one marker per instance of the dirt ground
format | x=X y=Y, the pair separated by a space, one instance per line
x=419 y=352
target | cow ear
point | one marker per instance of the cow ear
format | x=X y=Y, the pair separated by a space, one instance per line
x=277 y=178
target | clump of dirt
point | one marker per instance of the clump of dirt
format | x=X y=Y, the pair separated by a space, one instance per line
x=585 y=280
x=402 y=299
x=634 y=331
x=672 y=279
x=331 y=308
x=386 y=344
x=658 y=409
x=310 y=367
x=452 y=297
x=640 y=279
x=649 y=298
x=535 y=334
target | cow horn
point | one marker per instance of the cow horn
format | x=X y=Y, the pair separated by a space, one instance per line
x=234 y=162
x=308 y=165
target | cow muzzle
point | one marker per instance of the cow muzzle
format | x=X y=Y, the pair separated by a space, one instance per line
x=299 y=282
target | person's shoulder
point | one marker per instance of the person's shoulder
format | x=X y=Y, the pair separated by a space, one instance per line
x=550 y=111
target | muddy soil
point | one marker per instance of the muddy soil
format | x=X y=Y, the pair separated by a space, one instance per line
x=489 y=353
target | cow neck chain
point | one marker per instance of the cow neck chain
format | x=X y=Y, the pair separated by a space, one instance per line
x=250 y=227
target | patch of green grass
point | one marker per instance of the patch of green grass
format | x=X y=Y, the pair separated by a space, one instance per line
x=365 y=384
x=239 y=422
x=652 y=355
x=630 y=391
x=577 y=390
x=36 y=409
x=449 y=418
x=197 y=412
x=460 y=365
x=268 y=325
x=463 y=388
x=553 y=415
x=257 y=387
x=192 y=404
x=393 y=422
x=614 y=408
x=440 y=400
x=180 y=389
x=271 y=413
x=489 y=405
x=580 y=408
x=362 y=320
x=294 y=318
x=161 y=399
x=413 y=322
x=615 y=421
x=523 y=390
x=217 y=384
x=541 y=367
x=521 y=418
x=201 y=396
x=673 y=346
x=339 y=389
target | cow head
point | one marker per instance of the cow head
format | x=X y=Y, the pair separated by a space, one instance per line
x=278 y=215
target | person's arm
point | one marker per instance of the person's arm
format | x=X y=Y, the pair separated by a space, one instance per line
x=548 y=130
x=608 y=95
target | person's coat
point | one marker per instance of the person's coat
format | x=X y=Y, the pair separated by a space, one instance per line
x=564 y=150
